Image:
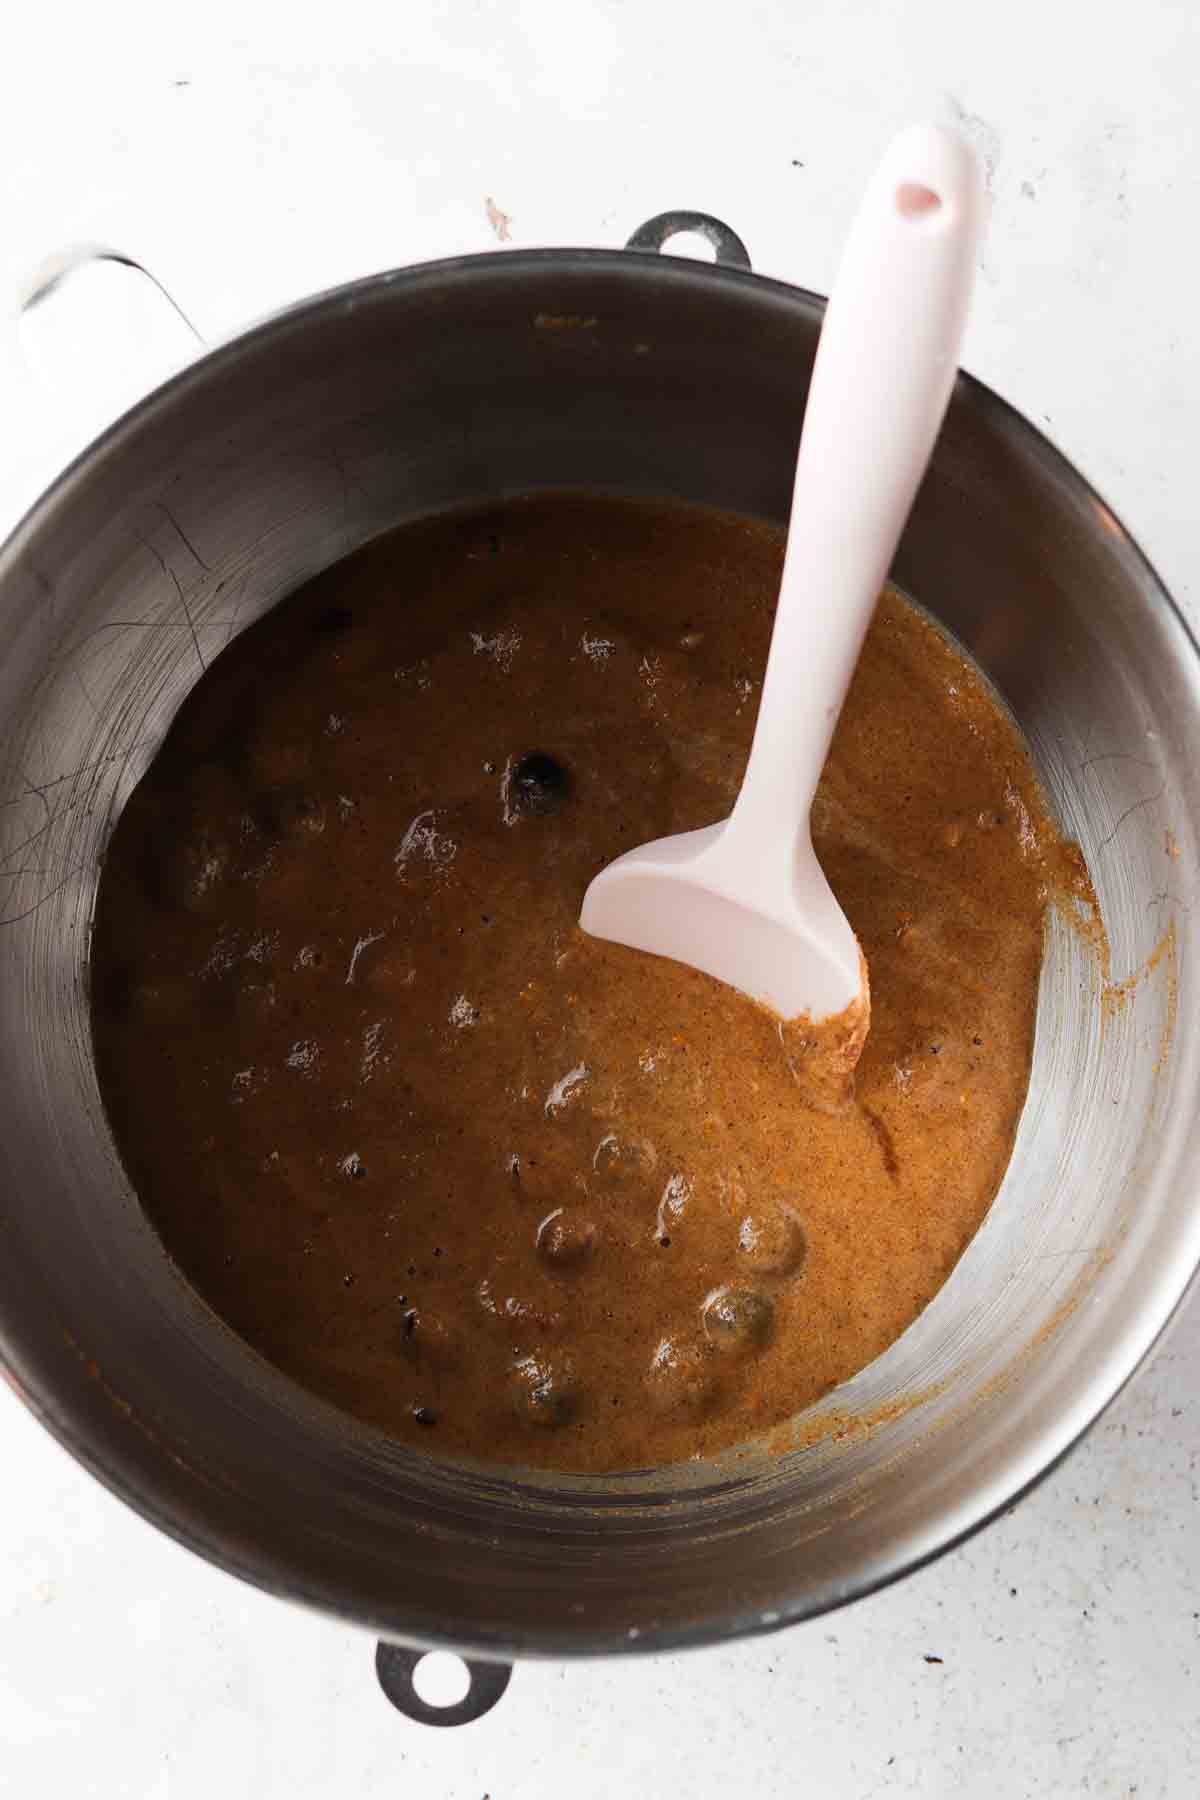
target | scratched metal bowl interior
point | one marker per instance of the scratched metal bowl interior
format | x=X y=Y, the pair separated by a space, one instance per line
x=628 y=374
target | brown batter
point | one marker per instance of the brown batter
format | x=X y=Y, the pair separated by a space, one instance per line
x=490 y=1184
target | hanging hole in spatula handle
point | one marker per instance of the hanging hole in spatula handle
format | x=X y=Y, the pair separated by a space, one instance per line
x=657 y=233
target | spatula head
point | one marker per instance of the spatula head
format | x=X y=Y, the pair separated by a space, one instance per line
x=793 y=949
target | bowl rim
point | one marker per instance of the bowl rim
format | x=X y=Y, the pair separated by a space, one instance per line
x=1050 y=1442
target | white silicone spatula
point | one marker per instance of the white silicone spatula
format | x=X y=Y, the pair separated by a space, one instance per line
x=746 y=900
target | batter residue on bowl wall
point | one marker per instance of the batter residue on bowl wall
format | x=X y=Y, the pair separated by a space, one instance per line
x=487 y=1183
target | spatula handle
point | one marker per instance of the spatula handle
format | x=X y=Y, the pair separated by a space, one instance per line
x=884 y=370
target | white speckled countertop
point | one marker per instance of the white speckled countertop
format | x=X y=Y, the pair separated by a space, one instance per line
x=250 y=154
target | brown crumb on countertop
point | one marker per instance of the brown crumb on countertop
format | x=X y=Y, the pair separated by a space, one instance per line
x=500 y=222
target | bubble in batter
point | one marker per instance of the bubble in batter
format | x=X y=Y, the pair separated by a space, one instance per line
x=682 y=1378
x=737 y=1321
x=771 y=1240
x=430 y=1338
x=544 y=1390
x=566 y=1238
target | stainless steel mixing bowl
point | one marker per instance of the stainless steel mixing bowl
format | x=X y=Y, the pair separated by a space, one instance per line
x=627 y=373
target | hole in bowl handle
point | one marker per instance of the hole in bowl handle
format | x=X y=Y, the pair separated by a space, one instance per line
x=729 y=248
x=395 y=1667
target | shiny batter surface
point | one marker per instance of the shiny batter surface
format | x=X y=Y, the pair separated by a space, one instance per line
x=487 y=1183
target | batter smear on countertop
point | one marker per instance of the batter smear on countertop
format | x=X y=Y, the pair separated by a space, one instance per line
x=492 y=1185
